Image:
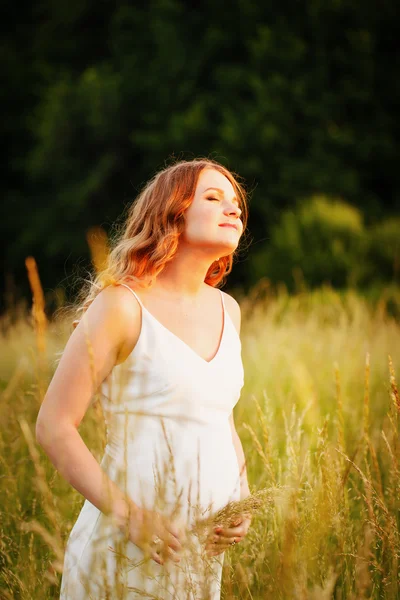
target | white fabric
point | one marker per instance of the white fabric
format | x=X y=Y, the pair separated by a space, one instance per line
x=167 y=415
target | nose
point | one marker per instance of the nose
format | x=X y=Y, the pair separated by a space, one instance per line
x=233 y=209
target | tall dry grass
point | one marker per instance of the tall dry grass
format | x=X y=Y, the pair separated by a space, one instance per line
x=319 y=420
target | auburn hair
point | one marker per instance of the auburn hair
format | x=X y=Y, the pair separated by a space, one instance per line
x=149 y=237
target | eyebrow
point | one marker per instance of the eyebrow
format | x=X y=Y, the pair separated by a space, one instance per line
x=234 y=199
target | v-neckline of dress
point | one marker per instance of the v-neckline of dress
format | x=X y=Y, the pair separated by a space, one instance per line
x=216 y=355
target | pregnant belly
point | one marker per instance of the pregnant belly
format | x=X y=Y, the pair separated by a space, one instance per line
x=188 y=471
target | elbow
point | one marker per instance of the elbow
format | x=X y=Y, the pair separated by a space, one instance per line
x=42 y=431
x=42 y=427
x=47 y=432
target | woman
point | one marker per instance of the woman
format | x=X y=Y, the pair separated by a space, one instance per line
x=164 y=346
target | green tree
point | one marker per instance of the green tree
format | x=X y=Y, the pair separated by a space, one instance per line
x=299 y=99
x=321 y=240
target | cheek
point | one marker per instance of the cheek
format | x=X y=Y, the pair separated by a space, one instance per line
x=200 y=224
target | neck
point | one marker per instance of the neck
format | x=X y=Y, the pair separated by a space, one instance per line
x=184 y=275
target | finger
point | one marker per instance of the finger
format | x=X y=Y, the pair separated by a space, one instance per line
x=178 y=531
x=160 y=555
x=244 y=520
x=211 y=550
x=215 y=552
x=233 y=531
x=173 y=542
x=157 y=558
x=225 y=540
x=174 y=555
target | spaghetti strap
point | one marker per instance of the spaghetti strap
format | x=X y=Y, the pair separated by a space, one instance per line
x=222 y=298
x=134 y=293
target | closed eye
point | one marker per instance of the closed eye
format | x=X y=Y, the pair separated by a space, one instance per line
x=211 y=198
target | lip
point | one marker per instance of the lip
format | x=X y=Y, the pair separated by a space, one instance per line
x=229 y=225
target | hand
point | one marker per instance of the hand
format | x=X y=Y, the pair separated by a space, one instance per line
x=156 y=535
x=222 y=538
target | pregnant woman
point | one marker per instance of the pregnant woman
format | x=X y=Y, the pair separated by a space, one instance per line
x=160 y=343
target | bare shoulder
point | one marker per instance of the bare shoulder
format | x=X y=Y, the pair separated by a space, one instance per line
x=233 y=308
x=117 y=302
x=117 y=311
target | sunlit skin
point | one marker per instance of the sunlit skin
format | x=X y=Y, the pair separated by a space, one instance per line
x=204 y=239
x=214 y=205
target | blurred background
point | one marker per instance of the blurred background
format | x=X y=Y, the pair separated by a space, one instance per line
x=300 y=98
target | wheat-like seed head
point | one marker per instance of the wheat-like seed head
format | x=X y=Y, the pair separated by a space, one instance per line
x=229 y=514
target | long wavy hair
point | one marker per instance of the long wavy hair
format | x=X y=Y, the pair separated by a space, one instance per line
x=149 y=237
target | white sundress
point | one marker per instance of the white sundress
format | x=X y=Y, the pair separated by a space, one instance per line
x=170 y=447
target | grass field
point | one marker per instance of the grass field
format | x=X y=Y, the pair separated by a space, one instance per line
x=319 y=418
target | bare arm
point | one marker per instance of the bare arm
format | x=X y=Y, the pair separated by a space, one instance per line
x=234 y=311
x=107 y=332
